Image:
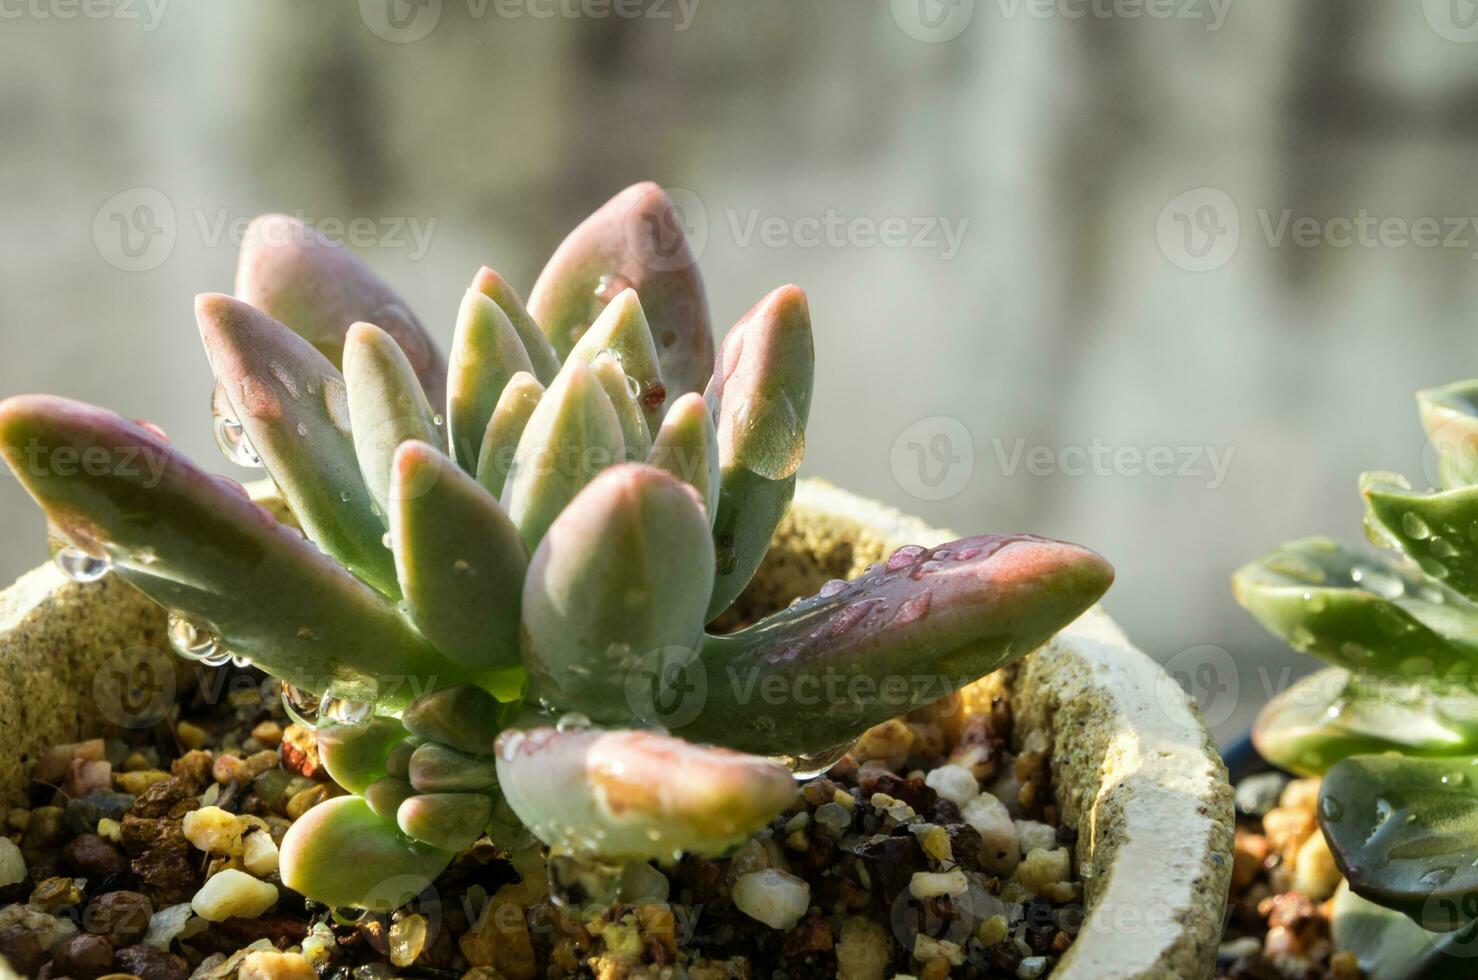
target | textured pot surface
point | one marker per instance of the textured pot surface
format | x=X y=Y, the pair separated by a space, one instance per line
x=1134 y=770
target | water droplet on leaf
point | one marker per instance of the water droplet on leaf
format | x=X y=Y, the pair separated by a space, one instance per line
x=190 y=641
x=232 y=440
x=79 y=566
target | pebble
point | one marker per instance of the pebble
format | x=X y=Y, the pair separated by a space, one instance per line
x=137 y=782
x=954 y=783
x=54 y=893
x=166 y=924
x=267 y=732
x=190 y=736
x=213 y=830
x=265 y=965
x=149 y=963
x=84 y=957
x=1000 y=848
x=776 y=898
x=929 y=884
x=12 y=863
x=1256 y=795
x=122 y=917
x=408 y=939
x=307 y=799
x=1315 y=874
x=1041 y=869
x=864 y=949
x=1032 y=835
x=233 y=893
x=1031 y=966
x=834 y=817
x=259 y=853
x=93 y=858
x=83 y=813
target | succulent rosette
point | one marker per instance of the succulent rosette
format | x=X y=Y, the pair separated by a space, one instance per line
x=500 y=564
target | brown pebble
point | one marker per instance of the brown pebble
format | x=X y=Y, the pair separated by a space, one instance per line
x=54 y=893
x=148 y=963
x=162 y=858
x=191 y=736
x=305 y=800
x=23 y=948
x=267 y=732
x=84 y=956
x=915 y=792
x=93 y=858
x=193 y=769
x=811 y=935
x=299 y=752
x=137 y=782
x=122 y=917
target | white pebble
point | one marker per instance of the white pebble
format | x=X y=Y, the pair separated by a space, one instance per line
x=927 y=884
x=259 y=853
x=1000 y=850
x=1032 y=966
x=954 y=783
x=233 y=893
x=1033 y=836
x=776 y=898
x=166 y=924
x=1041 y=869
x=12 y=864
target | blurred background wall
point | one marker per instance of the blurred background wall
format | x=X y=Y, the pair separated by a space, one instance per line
x=1158 y=276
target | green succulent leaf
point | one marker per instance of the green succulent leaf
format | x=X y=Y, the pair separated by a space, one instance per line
x=903 y=634
x=197 y=544
x=292 y=405
x=761 y=396
x=1404 y=832
x=318 y=288
x=461 y=563
x=612 y=795
x=1450 y=417
x=437 y=768
x=634 y=241
x=355 y=755
x=386 y=795
x=540 y=354
x=386 y=407
x=486 y=353
x=1331 y=714
x=622 y=330
x=623 y=574
x=505 y=428
x=687 y=447
x=1438 y=531
x=1362 y=613
x=466 y=718
x=1390 y=946
x=343 y=854
x=634 y=432
x=571 y=435
x=450 y=821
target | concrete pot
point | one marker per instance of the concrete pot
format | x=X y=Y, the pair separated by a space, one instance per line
x=1133 y=768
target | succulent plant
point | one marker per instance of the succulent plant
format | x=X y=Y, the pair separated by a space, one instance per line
x=1392 y=726
x=507 y=561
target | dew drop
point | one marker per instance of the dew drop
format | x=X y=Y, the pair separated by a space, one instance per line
x=1301 y=639
x=461 y=566
x=809 y=765
x=386 y=540
x=301 y=706
x=1437 y=877
x=633 y=387
x=1443 y=548
x=1377 y=581
x=79 y=566
x=610 y=286
x=438 y=420
x=285 y=378
x=903 y=557
x=1315 y=602
x=345 y=496
x=912 y=610
x=831 y=588
x=190 y=641
x=1332 y=808
x=342 y=711
x=1414 y=526
x=967 y=554
x=336 y=403
x=303 y=429
x=572 y=722
x=232 y=440
x=1455 y=779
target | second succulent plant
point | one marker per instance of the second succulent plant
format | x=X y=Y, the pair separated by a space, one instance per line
x=506 y=559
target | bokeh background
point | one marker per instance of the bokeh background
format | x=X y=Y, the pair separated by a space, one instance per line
x=1159 y=276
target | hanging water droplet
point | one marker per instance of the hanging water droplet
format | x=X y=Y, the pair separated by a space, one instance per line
x=301 y=706
x=438 y=420
x=234 y=444
x=809 y=765
x=241 y=660
x=572 y=722
x=341 y=711
x=1414 y=526
x=79 y=566
x=191 y=641
x=633 y=387
x=386 y=540
x=610 y=286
